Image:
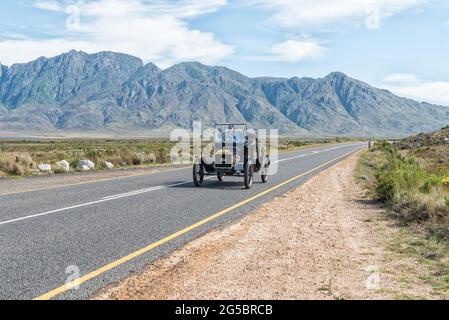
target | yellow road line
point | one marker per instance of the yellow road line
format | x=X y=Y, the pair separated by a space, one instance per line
x=53 y=293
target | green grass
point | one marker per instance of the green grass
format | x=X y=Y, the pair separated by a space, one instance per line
x=416 y=197
x=430 y=264
x=411 y=193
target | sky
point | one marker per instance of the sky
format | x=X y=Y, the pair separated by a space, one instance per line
x=399 y=45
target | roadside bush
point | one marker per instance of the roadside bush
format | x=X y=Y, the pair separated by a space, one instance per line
x=399 y=178
x=17 y=170
x=16 y=165
x=445 y=183
x=438 y=231
x=412 y=194
x=93 y=155
x=151 y=158
x=162 y=156
x=25 y=160
x=74 y=162
x=410 y=211
x=138 y=159
x=6 y=165
x=386 y=188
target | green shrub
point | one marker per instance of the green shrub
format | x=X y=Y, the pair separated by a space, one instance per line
x=74 y=163
x=386 y=187
x=400 y=177
x=411 y=193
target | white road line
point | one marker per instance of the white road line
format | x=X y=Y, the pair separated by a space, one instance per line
x=293 y=158
x=53 y=211
x=137 y=192
x=313 y=153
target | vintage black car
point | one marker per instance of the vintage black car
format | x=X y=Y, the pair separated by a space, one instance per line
x=238 y=152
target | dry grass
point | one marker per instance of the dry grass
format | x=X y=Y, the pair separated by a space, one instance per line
x=16 y=164
x=435 y=158
x=18 y=158
x=412 y=193
x=416 y=196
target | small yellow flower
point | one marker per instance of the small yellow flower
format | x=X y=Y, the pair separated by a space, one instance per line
x=445 y=181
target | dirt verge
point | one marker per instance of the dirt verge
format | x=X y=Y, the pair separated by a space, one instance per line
x=324 y=240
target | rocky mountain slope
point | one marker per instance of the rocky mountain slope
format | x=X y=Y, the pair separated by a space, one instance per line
x=435 y=138
x=112 y=91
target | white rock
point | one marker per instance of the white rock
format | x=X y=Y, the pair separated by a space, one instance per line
x=44 y=167
x=108 y=165
x=63 y=165
x=85 y=165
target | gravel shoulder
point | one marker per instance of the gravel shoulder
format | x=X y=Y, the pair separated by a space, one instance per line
x=324 y=240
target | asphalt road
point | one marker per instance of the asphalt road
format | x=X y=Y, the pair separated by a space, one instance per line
x=106 y=230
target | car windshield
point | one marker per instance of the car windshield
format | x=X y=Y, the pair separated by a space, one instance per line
x=229 y=134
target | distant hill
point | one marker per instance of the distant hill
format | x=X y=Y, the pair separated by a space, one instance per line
x=436 y=138
x=110 y=91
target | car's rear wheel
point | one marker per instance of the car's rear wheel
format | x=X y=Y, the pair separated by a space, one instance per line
x=248 y=176
x=198 y=173
x=220 y=176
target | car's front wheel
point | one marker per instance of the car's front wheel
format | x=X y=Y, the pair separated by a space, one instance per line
x=248 y=176
x=198 y=173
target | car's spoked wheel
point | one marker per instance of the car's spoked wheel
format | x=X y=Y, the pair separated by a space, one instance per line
x=220 y=176
x=248 y=176
x=198 y=173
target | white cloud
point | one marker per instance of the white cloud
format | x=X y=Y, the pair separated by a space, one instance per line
x=153 y=30
x=401 y=78
x=294 y=51
x=411 y=86
x=300 y=13
x=17 y=51
x=48 y=5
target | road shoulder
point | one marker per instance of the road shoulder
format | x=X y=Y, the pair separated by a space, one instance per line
x=324 y=240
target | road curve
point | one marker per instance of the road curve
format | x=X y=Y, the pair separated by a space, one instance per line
x=107 y=229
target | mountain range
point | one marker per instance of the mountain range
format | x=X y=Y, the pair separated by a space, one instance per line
x=114 y=92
